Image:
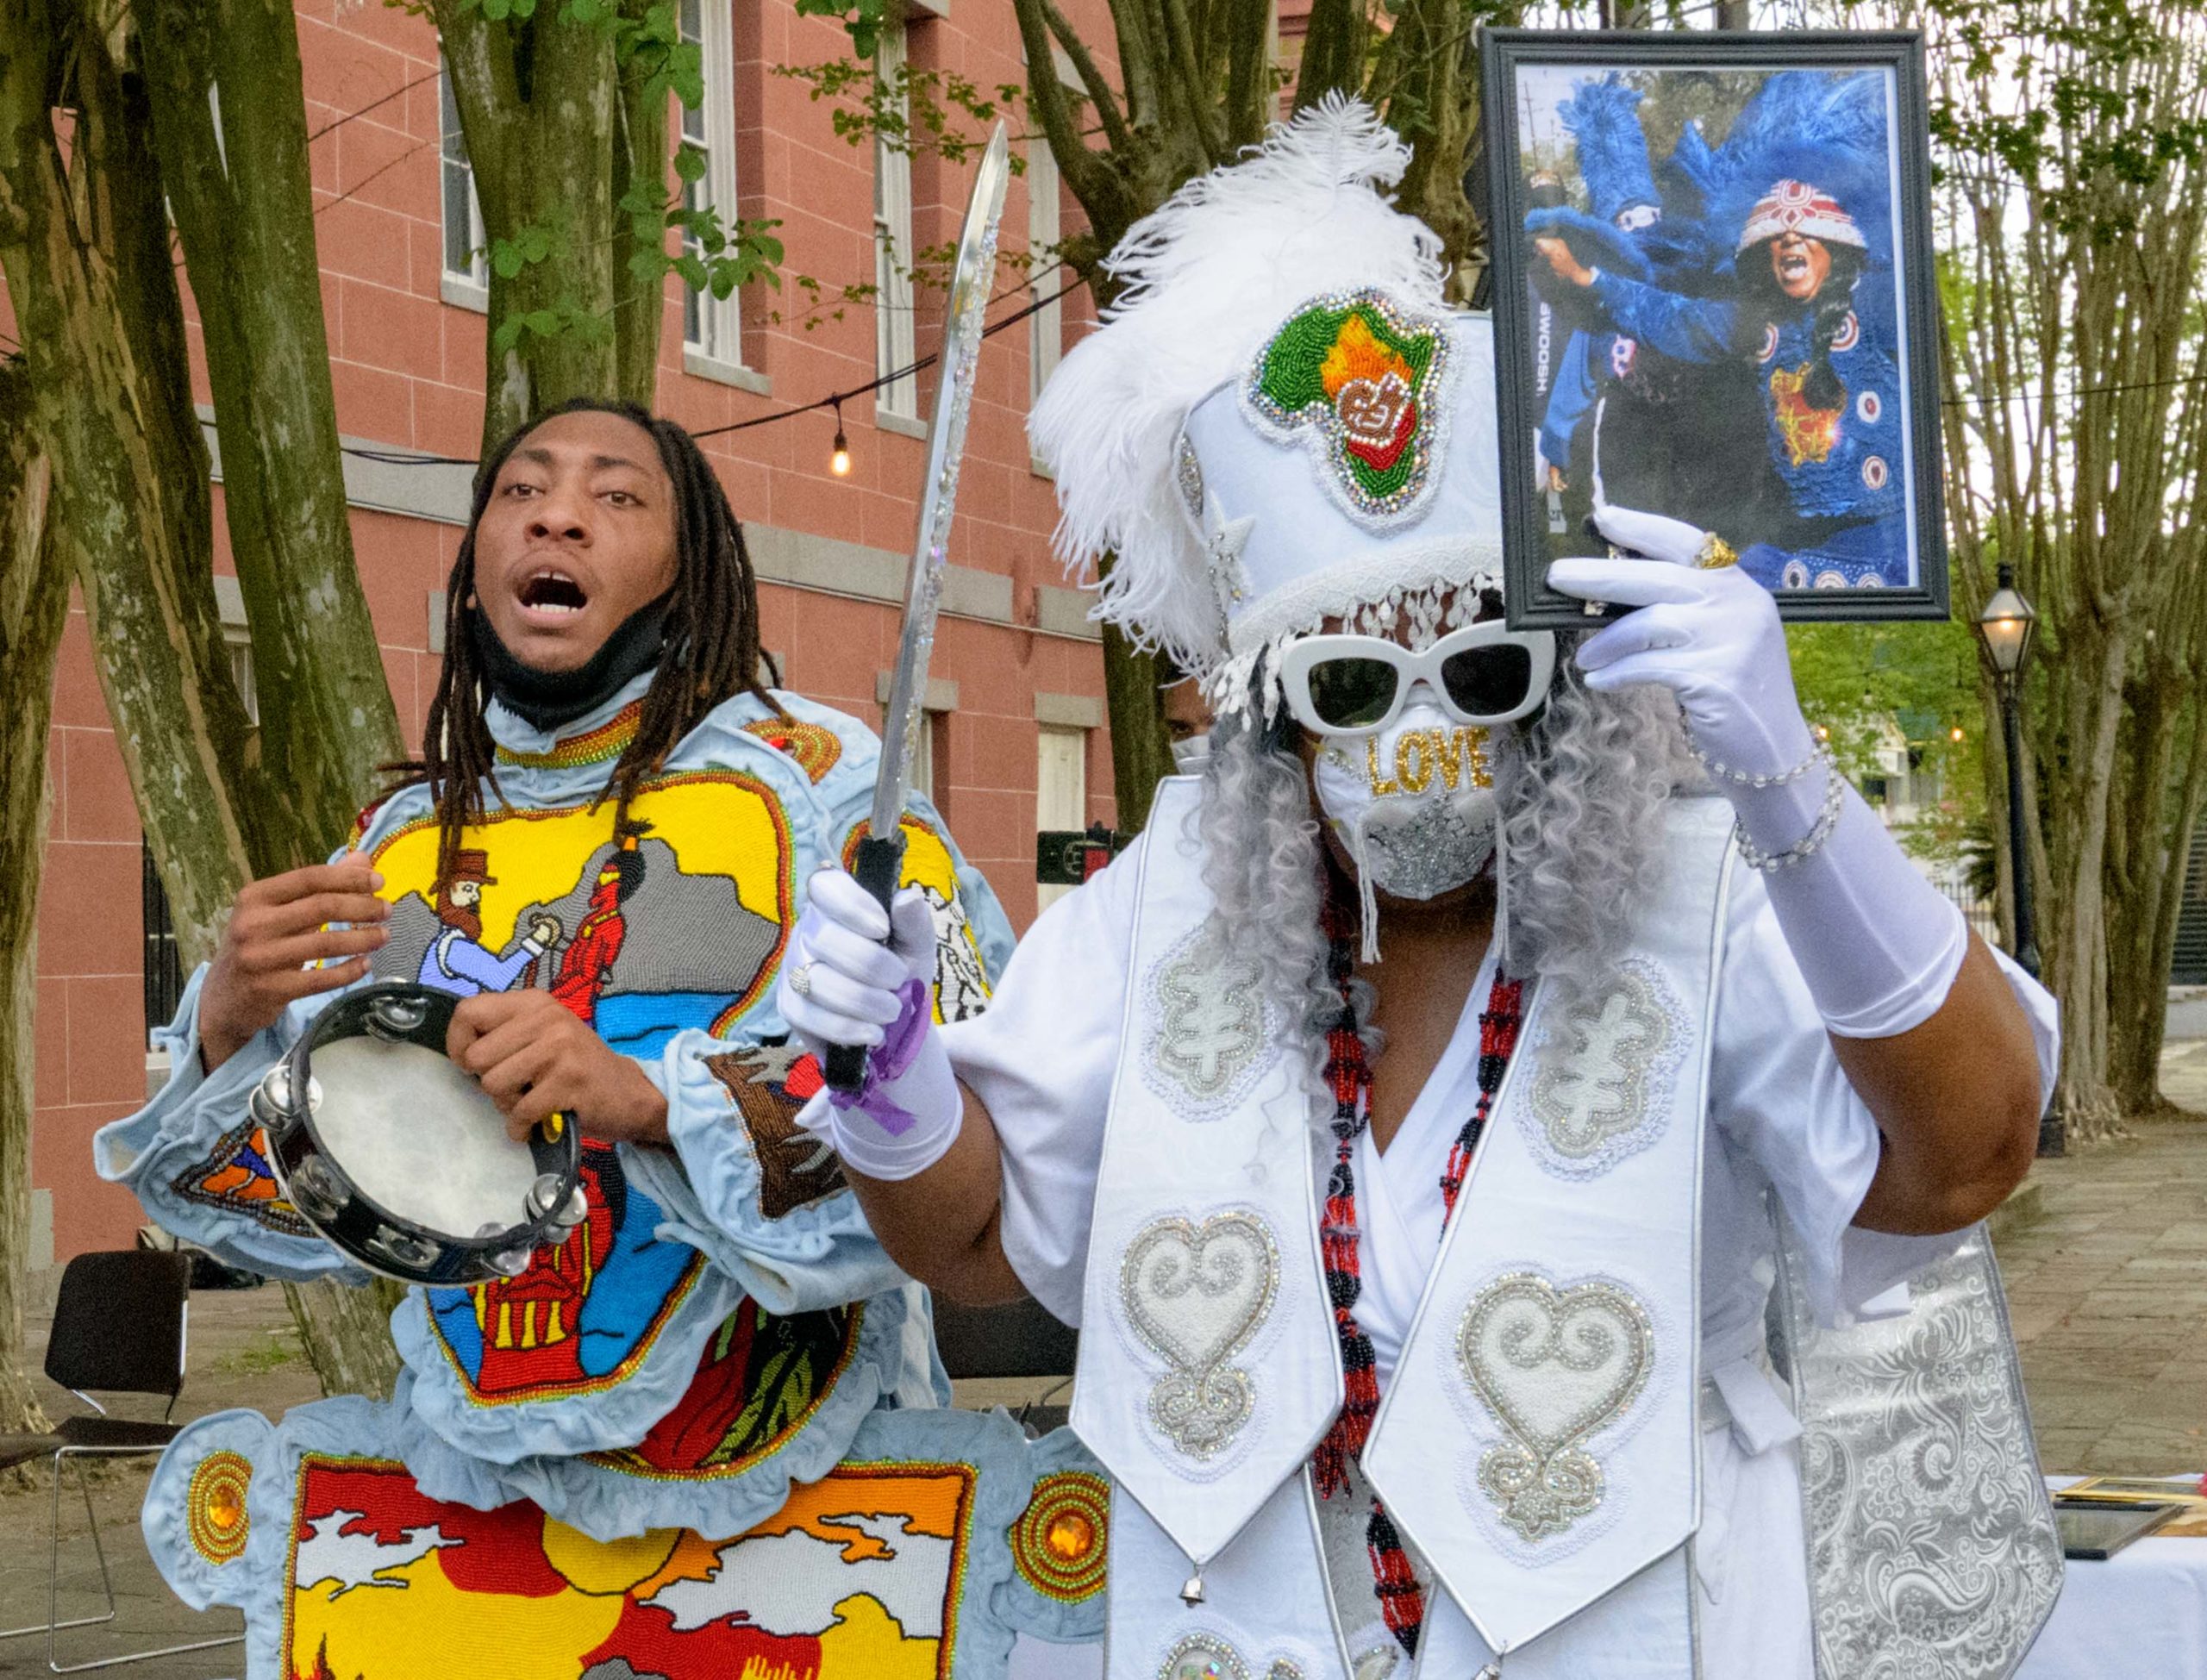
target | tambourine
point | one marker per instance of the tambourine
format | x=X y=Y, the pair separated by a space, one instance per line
x=398 y=1155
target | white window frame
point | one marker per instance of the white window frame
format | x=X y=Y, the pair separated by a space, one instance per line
x=1046 y=328
x=894 y=340
x=712 y=328
x=468 y=283
x=1074 y=742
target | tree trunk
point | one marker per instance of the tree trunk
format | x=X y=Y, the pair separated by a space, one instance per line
x=346 y=1330
x=34 y=602
x=1142 y=748
x=84 y=246
x=544 y=109
x=325 y=718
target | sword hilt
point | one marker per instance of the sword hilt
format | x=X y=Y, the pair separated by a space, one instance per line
x=877 y=868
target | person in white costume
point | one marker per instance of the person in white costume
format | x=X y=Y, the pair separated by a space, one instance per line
x=1423 y=1299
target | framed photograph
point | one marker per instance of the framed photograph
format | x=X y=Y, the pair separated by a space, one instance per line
x=1714 y=300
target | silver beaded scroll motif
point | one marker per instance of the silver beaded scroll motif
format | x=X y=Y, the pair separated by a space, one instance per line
x=1602 y=1088
x=1195 y=1295
x=1207 y=1657
x=1554 y=1367
x=1207 y=1030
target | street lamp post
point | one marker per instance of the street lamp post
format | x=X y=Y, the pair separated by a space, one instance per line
x=2005 y=626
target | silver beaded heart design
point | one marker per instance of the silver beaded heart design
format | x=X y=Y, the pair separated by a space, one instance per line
x=1554 y=1367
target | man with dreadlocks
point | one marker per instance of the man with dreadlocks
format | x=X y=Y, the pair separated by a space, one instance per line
x=719 y=1347
x=1423 y=1303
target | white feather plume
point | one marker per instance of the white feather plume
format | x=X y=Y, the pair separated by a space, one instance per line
x=1208 y=276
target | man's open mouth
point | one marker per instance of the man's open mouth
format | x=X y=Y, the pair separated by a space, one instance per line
x=551 y=590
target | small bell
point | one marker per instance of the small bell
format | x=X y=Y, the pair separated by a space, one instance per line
x=1192 y=1591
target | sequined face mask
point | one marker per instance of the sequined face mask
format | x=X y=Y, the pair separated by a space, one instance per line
x=1414 y=803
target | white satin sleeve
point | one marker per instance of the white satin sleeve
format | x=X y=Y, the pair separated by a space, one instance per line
x=1779 y=1096
x=1042 y=1060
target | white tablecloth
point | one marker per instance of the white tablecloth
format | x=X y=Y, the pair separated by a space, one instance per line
x=2140 y=1615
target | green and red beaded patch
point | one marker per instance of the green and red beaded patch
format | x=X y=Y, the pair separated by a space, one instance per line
x=1365 y=380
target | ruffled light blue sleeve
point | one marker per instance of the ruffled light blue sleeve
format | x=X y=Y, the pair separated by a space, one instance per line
x=198 y=1163
x=765 y=1203
x=1779 y=1094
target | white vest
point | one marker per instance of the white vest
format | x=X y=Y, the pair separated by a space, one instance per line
x=1539 y=1444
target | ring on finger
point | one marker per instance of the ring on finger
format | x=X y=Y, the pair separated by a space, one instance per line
x=1715 y=554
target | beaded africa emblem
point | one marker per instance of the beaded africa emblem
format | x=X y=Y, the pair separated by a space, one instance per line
x=1059 y=1543
x=1363 y=382
x=1553 y=1366
x=1196 y=1296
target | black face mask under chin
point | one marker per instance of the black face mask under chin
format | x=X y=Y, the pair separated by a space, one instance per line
x=546 y=699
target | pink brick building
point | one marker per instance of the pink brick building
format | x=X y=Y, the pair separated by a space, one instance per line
x=1017 y=742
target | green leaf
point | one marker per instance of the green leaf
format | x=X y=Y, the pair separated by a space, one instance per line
x=506 y=258
x=692 y=271
x=688 y=163
x=508 y=335
x=725 y=281
x=544 y=323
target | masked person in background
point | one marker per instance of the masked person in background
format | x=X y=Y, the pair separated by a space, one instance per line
x=662 y=1446
x=1422 y=1301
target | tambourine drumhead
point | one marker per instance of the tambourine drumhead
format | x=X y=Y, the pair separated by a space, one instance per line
x=418 y=1137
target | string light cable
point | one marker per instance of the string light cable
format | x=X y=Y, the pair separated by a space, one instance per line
x=834 y=400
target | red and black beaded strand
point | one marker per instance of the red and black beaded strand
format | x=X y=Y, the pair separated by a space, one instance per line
x=1348 y=1074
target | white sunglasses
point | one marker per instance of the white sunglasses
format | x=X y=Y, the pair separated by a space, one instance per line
x=1353 y=685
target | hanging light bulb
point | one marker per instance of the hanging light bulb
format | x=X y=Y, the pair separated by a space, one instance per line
x=839 y=458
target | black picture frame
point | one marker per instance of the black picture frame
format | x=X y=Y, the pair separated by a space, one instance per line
x=1531 y=539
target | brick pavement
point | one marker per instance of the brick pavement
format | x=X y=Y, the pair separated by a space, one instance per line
x=2107 y=1287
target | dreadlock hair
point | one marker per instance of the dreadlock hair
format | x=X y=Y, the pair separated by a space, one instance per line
x=1829 y=308
x=711 y=651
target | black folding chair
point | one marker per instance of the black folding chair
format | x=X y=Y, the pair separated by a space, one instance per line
x=118 y=1328
x=1022 y=1339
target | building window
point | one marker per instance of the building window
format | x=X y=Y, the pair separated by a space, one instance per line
x=1060 y=791
x=711 y=326
x=892 y=248
x=237 y=641
x=164 y=967
x=1046 y=328
x=466 y=262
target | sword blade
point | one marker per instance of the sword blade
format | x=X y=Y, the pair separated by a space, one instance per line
x=972 y=277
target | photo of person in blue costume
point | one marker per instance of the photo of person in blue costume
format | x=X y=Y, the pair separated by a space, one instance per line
x=1725 y=261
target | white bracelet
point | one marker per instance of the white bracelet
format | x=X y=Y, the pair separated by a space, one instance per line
x=1767 y=862
x=1724 y=772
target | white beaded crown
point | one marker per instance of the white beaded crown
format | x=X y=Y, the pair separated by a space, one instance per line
x=1280 y=420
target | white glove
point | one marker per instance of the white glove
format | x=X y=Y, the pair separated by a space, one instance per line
x=858 y=975
x=1877 y=944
